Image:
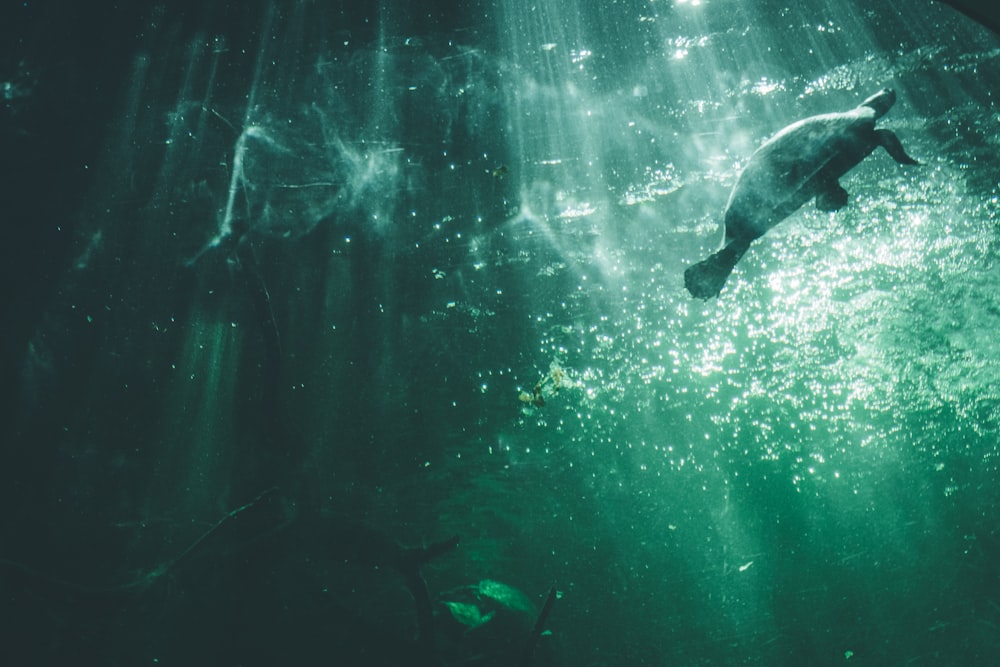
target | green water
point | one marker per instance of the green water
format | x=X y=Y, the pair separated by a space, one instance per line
x=448 y=220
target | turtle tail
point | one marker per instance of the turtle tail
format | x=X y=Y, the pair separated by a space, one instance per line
x=705 y=279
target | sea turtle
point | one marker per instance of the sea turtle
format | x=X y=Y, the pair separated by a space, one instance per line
x=800 y=162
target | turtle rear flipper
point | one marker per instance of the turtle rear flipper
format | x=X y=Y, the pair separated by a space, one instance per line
x=705 y=279
x=890 y=142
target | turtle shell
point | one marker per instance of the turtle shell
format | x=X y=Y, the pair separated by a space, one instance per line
x=799 y=162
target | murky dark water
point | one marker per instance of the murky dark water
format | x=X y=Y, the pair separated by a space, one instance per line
x=423 y=270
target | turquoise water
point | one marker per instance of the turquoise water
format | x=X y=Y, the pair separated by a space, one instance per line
x=426 y=272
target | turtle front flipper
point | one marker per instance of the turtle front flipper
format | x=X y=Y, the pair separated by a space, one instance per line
x=831 y=197
x=705 y=279
x=890 y=142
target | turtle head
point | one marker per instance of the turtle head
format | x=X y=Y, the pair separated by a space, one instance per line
x=881 y=101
